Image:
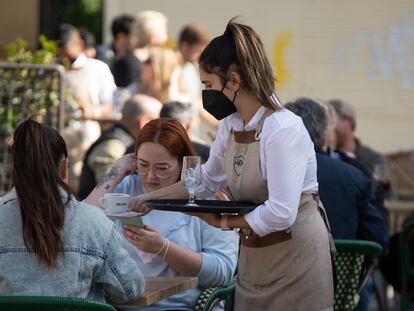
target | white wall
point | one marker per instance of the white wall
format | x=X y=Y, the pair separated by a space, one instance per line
x=360 y=51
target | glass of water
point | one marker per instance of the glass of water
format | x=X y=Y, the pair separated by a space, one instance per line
x=191 y=176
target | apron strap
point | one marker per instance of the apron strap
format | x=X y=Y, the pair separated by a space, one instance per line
x=248 y=137
x=332 y=247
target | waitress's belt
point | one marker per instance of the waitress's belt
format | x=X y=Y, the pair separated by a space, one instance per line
x=250 y=239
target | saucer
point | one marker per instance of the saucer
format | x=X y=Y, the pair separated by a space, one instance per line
x=123 y=215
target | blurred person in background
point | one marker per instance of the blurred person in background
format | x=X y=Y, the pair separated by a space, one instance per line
x=118 y=55
x=349 y=149
x=121 y=29
x=191 y=41
x=149 y=29
x=89 y=86
x=161 y=75
x=345 y=191
x=89 y=42
x=113 y=143
x=100 y=83
x=182 y=113
x=348 y=143
x=51 y=244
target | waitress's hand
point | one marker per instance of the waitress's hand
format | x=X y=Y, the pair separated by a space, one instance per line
x=147 y=239
x=212 y=219
x=137 y=204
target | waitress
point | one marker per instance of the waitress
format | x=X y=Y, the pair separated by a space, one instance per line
x=264 y=154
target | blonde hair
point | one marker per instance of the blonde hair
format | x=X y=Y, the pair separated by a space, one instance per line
x=166 y=64
x=149 y=24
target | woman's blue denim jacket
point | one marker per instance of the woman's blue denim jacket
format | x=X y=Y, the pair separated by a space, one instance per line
x=93 y=262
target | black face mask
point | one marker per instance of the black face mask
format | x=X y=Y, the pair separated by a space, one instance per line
x=217 y=104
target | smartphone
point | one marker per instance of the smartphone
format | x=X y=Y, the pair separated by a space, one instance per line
x=135 y=221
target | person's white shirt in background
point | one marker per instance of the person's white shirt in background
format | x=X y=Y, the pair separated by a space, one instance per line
x=100 y=82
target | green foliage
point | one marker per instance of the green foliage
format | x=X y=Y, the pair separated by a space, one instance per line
x=26 y=92
x=85 y=13
x=17 y=52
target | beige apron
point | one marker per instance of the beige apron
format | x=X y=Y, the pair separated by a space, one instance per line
x=295 y=274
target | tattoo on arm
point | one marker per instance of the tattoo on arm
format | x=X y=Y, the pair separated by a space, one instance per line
x=112 y=174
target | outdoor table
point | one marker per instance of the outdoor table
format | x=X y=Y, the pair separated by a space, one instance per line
x=399 y=210
x=159 y=288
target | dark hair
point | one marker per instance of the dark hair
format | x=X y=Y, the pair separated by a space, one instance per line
x=178 y=111
x=88 y=38
x=314 y=118
x=240 y=49
x=66 y=34
x=170 y=134
x=37 y=154
x=193 y=34
x=122 y=24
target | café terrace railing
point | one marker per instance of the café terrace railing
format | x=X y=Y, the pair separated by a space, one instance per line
x=27 y=90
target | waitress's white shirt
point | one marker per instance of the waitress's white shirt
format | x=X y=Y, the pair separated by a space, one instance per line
x=287 y=163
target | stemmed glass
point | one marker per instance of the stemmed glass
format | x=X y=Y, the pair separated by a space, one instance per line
x=191 y=176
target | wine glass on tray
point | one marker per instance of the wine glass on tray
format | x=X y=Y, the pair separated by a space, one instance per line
x=191 y=176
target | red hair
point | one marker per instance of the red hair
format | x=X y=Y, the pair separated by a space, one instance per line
x=170 y=134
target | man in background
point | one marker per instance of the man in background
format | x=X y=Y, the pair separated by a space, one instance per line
x=118 y=55
x=348 y=143
x=191 y=41
x=98 y=80
x=345 y=191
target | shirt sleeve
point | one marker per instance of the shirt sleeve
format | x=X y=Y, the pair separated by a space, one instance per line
x=285 y=156
x=108 y=86
x=219 y=252
x=213 y=173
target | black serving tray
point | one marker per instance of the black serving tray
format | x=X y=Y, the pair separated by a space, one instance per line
x=203 y=206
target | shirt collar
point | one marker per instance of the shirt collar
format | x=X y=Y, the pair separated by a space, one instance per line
x=80 y=62
x=252 y=123
x=11 y=195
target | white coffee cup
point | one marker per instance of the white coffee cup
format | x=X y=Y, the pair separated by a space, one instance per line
x=115 y=203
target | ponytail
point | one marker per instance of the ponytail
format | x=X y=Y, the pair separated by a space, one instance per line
x=38 y=151
x=241 y=47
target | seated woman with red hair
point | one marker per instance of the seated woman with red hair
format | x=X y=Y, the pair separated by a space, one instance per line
x=171 y=243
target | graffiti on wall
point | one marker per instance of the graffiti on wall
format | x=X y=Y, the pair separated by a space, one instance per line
x=390 y=52
x=279 y=47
